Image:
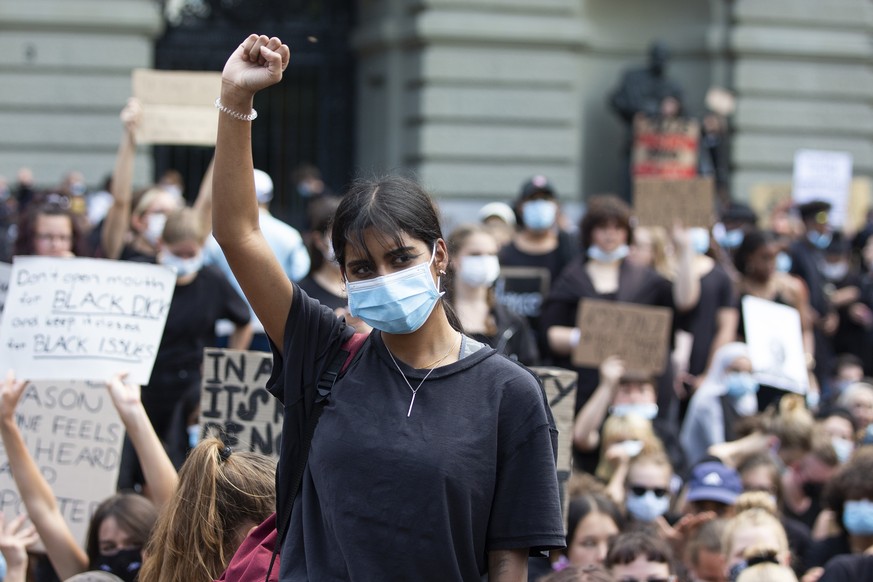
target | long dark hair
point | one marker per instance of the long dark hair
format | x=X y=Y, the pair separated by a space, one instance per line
x=25 y=243
x=594 y=502
x=392 y=206
x=135 y=514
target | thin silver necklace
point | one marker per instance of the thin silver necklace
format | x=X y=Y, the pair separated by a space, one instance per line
x=405 y=379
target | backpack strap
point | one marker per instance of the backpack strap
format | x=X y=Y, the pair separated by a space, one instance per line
x=337 y=367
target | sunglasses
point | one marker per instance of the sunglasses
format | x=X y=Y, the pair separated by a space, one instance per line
x=639 y=490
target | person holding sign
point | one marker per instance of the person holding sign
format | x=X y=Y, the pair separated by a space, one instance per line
x=118 y=528
x=604 y=273
x=201 y=297
x=433 y=458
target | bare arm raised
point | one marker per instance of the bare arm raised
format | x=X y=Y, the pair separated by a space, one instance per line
x=256 y=64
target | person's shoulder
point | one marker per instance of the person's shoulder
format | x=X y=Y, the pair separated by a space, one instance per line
x=271 y=225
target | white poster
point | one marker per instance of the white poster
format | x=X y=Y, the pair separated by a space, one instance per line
x=84 y=319
x=826 y=176
x=74 y=435
x=775 y=341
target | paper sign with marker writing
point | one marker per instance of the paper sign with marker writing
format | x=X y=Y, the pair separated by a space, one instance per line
x=663 y=202
x=84 y=319
x=74 y=435
x=177 y=106
x=775 y=340
x=638 y=334
x=235 y=402
x=665 y=147
x=823 y=175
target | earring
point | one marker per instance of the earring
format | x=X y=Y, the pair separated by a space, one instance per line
x=442 y=272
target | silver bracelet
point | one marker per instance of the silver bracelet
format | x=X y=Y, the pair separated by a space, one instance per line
x=235 y=114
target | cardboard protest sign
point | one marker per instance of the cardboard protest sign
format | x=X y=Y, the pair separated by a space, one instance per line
x=74 y=435
x=235 y=402
x=775 y=340
x=764 y=198
x=84 y=319
x=823 y=175
x=177 y=106
x=665 y=147
x=522 y=289
x=639 y=334
x=560 y=386
x=662 y=202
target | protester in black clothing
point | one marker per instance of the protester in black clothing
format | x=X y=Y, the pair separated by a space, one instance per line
x=471 y=275
x=475 y=445
x=604 y=273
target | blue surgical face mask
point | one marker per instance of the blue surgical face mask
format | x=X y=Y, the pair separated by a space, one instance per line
x=539 y=214
x=648 y=506
x=858 y=517
x=183 y=267
x=731 y=239
x=783 y=262
x=740 y=383
x=699 y=240
x=644 y=409
x=843 y=448
x=598 y=254
x=821 y=240
x=397 y=303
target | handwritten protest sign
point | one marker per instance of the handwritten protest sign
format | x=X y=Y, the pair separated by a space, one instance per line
x=177 y=106
x=560 y=387
x=775 y=341
x=823 y=175
x=74 y=435
x=84 y=319
x=639 y=334
x=665 y=147
x=5 y=274
x=235 y=402
x=662 y=202
x=767 y=198
x=522 y=289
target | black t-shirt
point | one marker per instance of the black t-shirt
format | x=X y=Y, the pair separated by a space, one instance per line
x=849 y=568
x=716 y=293
x=191 y=320
x=320 y=294
x=425 y=497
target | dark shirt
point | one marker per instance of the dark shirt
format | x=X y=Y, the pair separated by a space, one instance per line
x=849 y=568
x=716 y=293
x=386 y=496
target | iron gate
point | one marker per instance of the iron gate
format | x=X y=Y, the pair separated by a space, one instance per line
x=307 y=118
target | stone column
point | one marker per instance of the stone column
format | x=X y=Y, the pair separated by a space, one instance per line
x=804 y=79
x=64 y=77
x=473 y=96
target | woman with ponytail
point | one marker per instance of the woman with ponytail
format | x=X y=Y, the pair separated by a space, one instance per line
x=222 y=495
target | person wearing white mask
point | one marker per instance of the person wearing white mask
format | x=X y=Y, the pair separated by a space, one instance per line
x=620 y=394
x=433 y=456
x=604 y=273
x=539 y=243
x=201 y=297
x=728 y=392
x=472 y=273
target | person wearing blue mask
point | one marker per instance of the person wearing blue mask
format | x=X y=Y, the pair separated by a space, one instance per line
x=602 y=272
x=808 y=263
x=538 y=243
x=433 y=457
x=728 y=392
x=850 y=496
x=620 y=393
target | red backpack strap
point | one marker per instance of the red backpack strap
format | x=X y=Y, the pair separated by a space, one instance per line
x=353 y=346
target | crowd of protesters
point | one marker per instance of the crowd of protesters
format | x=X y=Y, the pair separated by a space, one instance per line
x=701 y=473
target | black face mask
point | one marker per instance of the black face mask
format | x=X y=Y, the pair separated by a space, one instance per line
x=125 y=564
x=813 y=490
